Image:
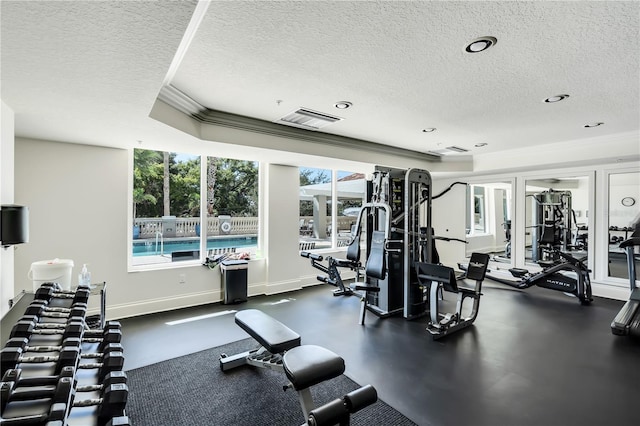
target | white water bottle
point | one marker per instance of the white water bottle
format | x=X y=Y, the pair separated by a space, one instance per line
x=85 y=276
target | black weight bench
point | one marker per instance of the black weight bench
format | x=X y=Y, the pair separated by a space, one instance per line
x=305 y=366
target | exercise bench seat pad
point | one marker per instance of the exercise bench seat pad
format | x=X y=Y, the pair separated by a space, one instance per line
x=308 y=365
x=269 y=332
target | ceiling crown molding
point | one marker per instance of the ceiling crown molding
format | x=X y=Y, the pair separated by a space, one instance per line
x=183 y=103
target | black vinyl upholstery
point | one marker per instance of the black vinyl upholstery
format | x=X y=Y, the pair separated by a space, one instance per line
x=269 y=332
x=376 y=265
x=353 y=249
x=437 y=273
x=308 y=365
x=477 y=268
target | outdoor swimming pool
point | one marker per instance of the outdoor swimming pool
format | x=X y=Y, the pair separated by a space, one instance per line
x=148 y=248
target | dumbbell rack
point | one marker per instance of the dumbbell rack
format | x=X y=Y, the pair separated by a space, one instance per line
x=58 y=372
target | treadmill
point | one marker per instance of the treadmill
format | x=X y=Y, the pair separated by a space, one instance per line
x=627 y=322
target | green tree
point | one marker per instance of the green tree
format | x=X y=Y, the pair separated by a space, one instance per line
x=235 y=187
x=232 y=185
x=147 y=182
x=185 y=187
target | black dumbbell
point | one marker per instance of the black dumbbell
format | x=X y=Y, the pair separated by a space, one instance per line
x=11 y=356
x=108 y=380
x=47 y=292
x=111 y=403
x=26 y=328
x=73 y=328
x=108 y=363
x=60 y=393
x=15 y=375
x=58 y=288
x=39 y=308
x=23 y=343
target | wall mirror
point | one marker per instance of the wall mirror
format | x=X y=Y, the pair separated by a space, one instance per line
x=556 y=218
x=488 y=219
x=624 y=213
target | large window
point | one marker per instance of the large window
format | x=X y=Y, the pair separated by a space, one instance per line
x=167 y=217
x=315 y=208
x=232 y=205
x=321 y=223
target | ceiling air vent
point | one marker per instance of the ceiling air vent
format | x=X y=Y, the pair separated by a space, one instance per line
x=449 y=150
x=305 y=118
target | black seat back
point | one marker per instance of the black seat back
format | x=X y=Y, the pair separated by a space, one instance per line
x=376 y=264
x=437 y=273
x=477 y=268
x=548 y=234
x=353 y=249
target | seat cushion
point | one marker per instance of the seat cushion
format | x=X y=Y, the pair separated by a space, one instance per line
x=268 y=331
x=308 y=365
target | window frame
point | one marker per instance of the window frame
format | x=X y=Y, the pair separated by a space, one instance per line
x=203 y=156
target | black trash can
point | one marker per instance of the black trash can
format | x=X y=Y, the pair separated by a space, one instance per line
x=234 y=280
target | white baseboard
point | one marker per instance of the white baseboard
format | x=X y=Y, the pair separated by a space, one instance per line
x=610 y=291
x=151 y=306
x=282 y=286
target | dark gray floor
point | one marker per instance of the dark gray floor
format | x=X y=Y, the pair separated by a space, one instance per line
x=534 y=357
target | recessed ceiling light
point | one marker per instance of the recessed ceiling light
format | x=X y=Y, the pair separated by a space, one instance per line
x=429 y=130
x=593 y=124
x=343 y=105
x=556 y=98
x=480 y=44
x=480 y=145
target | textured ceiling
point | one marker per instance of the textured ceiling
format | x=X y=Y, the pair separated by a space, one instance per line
x=90 y=71
x=404 y=67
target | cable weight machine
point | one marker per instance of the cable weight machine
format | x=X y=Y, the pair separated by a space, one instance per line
x=552 y=224
x=400 y=205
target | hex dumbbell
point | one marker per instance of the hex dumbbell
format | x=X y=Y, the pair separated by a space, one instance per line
x=41 y=309
x=67 y=356
x=111 y=403
x=112 y=378
x=73 y=328
x=60 y=398
x=15 y=375
x=47 y=292
x=107 y=362
x=23 y=343
x=50 y=403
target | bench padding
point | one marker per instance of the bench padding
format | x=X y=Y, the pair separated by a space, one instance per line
x=269 y=332
x=308 y=365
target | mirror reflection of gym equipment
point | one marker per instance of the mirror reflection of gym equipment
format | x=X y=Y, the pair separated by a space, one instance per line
x=556 y=218
x=557 y=241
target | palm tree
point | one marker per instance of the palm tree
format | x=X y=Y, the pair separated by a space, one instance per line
x=166 y=185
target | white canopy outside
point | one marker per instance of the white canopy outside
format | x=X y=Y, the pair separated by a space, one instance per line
x=346 y=189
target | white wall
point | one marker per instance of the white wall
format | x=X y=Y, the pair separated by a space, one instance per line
x=77 y=195
x=281 y=228
x=6 y=197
